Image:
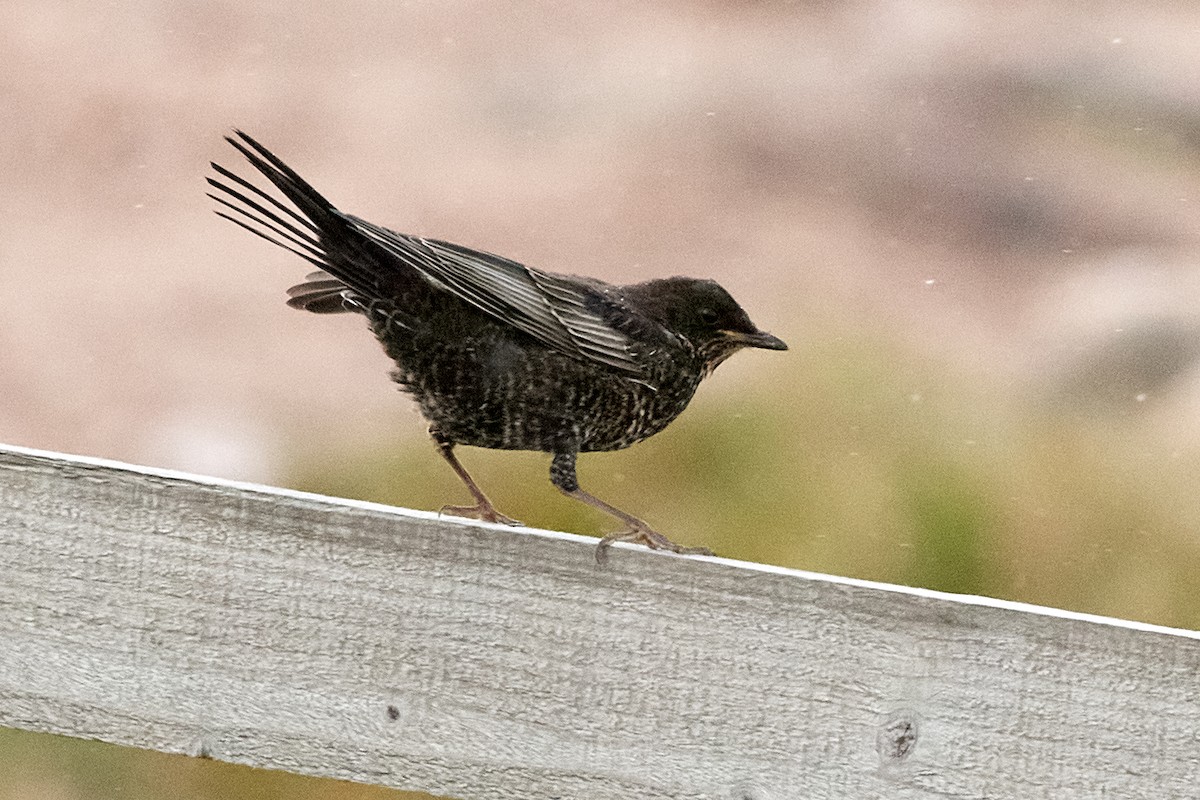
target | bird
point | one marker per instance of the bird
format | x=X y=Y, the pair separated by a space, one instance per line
x=495 y=353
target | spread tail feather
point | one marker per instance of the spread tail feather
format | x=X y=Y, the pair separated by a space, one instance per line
x=314 y=230
x=377 y=265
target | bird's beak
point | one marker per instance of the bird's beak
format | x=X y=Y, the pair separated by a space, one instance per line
x=760 y=339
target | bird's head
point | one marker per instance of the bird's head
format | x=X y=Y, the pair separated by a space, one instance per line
x=704 y=314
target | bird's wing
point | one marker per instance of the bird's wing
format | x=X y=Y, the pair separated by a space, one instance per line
x=551 y=308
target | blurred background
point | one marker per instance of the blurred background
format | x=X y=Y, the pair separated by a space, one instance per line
x=976 y=224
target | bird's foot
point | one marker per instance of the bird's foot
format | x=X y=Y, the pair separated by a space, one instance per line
x=482 y=511
x=644 y=534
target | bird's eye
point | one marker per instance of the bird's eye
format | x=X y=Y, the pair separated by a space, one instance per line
x=708 y=316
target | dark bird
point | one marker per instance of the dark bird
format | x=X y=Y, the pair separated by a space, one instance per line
x=498 y=354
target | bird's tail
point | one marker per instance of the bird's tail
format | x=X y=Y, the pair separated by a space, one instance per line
x=319 y=233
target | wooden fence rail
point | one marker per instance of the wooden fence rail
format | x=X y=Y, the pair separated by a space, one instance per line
x=345 y=639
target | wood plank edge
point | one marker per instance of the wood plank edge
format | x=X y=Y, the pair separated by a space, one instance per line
x=587 y=542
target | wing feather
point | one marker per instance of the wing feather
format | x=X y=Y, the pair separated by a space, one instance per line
x=356 y=257
x=552 y=308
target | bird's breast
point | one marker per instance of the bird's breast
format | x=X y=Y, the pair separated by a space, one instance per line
x=490 y=388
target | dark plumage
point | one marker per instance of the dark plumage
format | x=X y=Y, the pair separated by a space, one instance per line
x=498 y=354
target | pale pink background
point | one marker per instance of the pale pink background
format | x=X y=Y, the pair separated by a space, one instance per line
x=1002 y=184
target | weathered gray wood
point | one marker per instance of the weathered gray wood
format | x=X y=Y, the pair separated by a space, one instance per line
x=335 y=638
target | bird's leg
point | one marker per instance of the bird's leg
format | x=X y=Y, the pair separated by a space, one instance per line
x=483 y=508
x=562 y=475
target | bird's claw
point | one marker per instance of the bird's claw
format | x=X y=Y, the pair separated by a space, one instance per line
x=649 y=537
x=481 y=511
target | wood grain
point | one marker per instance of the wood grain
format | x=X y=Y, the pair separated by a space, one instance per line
x=344 y=639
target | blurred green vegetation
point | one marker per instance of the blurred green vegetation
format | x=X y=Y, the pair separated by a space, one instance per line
x=44 y=767
x=853 y=455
